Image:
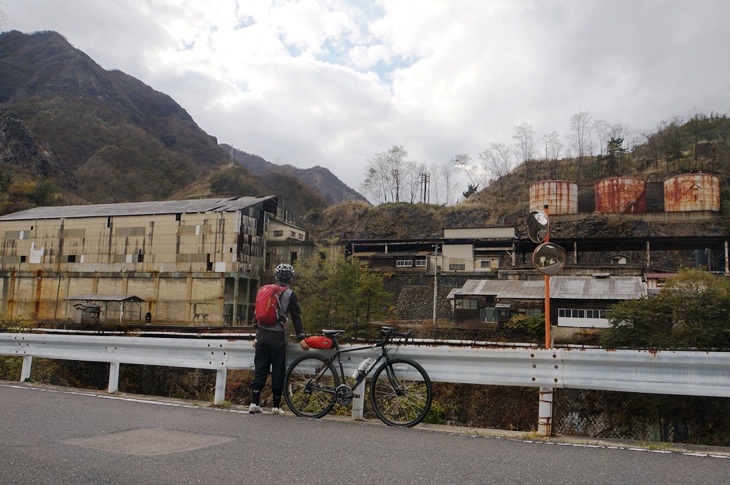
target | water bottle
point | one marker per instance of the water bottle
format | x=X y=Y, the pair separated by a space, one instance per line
x=362 y=368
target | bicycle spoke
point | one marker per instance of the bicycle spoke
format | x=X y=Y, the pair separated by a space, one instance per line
x=309 y=387
x=398 y=396
x=405 y=407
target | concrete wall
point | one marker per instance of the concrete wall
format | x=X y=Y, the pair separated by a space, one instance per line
x=456 y=254
x=199 y=267
x=210 y=241
x=191 y=297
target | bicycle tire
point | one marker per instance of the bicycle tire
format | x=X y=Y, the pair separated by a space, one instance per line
x=406 y=401
x=309 y=386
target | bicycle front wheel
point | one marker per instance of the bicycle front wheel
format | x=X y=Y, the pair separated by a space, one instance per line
x=309 y=386
x=401 y=392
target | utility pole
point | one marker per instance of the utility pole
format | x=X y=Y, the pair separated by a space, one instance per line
x=425 y=188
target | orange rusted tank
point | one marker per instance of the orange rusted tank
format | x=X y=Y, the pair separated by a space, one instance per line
x=620 y=195
x=692 y=192
x=561 y=196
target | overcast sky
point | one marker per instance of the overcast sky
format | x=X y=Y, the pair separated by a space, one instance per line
x=333 y=82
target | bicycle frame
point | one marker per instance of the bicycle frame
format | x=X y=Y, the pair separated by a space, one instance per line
x=318 y=382
x=336 y=359
x=361 y=378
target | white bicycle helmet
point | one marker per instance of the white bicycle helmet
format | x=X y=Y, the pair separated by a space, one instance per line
x=284 y=272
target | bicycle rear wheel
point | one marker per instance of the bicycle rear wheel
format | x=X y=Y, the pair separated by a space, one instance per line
x=401 y=393
x=309 y=386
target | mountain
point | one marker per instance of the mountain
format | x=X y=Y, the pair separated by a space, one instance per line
x=122 y=140
x=319 y=178
x=73 y=132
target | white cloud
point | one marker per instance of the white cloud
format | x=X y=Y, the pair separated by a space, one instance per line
x=332 y=82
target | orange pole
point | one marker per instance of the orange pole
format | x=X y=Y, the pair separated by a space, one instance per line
x=547 y=312
x=547 y=291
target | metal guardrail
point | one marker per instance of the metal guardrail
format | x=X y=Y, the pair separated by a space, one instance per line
x=659 y=372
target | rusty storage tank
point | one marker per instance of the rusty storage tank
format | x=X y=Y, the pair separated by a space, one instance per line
x=620 y=195
x=692 y=192
x=561 y=196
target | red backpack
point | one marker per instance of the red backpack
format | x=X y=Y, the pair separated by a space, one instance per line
x=266 y=310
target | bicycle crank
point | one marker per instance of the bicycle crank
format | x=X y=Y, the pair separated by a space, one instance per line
x=344 y=395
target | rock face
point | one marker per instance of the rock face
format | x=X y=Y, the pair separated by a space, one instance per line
x=20 y=148
x=120 y=139
x=104 y=136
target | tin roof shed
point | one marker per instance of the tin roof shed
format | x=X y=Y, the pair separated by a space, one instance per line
x=139 y=208
x=561 y=287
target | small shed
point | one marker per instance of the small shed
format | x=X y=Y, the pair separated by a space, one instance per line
x=105 y=302
x=577 y=301
x=86 y=313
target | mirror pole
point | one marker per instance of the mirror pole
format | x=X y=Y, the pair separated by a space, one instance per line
x=435 y=282
x=547 y=291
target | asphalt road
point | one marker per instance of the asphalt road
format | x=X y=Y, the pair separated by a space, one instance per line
x=65 y=436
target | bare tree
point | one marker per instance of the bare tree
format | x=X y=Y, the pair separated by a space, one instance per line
x=447 y=171
x=579 y=136
x=487 y=168
x=602 y=129
x=396 y=160
x=376 y=179
x=552 y=152
x=386 y=173
x=497 y=162
x=436 y=183
x=463 y=163
x=525 y=146
x=413 y=172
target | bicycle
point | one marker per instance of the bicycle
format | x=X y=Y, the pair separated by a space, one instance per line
x=400 y=389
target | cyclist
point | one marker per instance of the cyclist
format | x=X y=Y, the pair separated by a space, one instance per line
x=271 y=341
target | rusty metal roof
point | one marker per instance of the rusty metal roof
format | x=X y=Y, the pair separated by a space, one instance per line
x=585 y=288
x=561 y=287
x=515 y=289
x=137 y=208
x=104 y=298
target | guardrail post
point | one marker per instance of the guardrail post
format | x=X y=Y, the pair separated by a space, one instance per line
x=113 y=377
x=25 y=371
x=358 y=402
x=220 y=386
x=545 y=418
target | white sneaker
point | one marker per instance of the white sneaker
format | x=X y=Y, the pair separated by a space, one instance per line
x=254 y=409
x=277 y=411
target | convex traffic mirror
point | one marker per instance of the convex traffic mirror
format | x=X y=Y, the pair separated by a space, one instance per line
x=537 y=226
x=548 y=258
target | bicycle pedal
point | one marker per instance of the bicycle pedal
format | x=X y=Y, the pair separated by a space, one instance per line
x=355 y=396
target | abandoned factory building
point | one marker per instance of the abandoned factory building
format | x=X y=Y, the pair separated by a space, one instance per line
x=199 y=261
